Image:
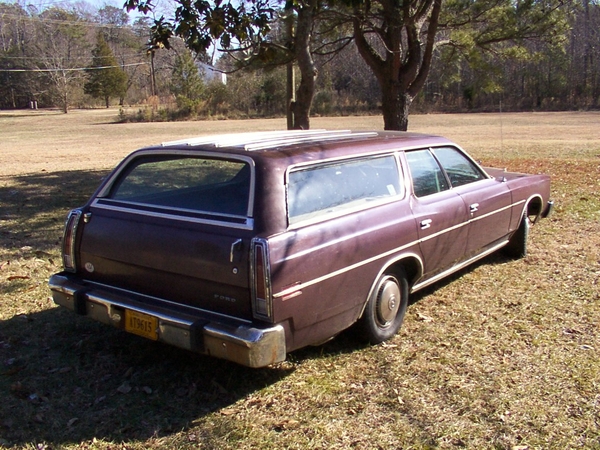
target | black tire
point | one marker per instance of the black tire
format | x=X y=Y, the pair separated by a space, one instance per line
x=517 y=245
x=385 y=309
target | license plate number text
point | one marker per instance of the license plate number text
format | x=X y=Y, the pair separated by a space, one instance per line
x=141 y=324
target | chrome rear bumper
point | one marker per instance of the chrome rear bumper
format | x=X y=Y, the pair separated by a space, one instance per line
x=179 y=325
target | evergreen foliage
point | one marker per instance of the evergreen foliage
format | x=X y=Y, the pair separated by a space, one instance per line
x=105 y=78
x=186 y=81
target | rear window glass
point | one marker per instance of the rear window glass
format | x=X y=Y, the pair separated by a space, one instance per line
x=197 y=184
x=336 y=187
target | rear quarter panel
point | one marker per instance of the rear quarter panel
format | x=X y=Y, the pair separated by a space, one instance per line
x=322 y=273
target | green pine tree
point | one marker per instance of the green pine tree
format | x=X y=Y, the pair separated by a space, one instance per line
x=105 y=78
x=186 y=81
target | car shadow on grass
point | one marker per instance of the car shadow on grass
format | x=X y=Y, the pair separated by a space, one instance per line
x=493 y=259
x=67 y=379
x=33 y=207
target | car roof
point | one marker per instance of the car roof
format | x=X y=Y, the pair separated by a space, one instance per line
x=295 y=143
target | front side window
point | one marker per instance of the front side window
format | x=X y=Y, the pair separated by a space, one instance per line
x=188 y=183
x=335 y=187
x=458 y=167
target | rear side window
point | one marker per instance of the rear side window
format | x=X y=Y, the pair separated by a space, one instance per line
x=188 y=183
x=426 y=173
x=332 y=188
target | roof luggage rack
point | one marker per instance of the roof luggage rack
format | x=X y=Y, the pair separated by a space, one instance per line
x=267 y=139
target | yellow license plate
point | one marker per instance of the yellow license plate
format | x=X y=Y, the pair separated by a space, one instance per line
x=141 y=324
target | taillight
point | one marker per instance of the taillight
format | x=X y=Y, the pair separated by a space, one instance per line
x=261 y=280
x=70 y=234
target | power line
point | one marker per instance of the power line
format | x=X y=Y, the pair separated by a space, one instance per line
x=82 y=22
x=75 y=69
x=72 y=58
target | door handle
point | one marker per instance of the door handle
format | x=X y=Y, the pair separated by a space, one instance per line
x=425 y=224
x=474 y=207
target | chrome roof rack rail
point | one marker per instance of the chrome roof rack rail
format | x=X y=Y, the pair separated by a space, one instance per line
x=332 y=135
x=267 y=139
x=239 y=139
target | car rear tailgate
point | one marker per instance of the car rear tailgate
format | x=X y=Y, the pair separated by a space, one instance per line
x=190 y=263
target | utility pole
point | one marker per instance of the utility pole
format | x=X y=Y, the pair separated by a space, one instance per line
x=291 y=78
x=152 y=74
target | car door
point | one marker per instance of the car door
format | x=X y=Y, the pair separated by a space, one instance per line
x=488 y=200
x=441 y=214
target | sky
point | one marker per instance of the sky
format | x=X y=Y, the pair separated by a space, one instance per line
x=86 y=5
x=44 y=4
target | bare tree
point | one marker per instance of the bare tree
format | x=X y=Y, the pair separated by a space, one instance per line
x=63 y=47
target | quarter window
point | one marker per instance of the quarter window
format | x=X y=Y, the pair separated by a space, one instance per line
x=331 y=188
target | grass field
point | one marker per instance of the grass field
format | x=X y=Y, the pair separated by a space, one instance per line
x=505 y=355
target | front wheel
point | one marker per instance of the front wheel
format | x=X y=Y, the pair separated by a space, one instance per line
x=385 y=308
x=517 y=245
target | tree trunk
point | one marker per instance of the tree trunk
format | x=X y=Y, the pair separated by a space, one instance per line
x=301 y=107
x=308 y=71
x=289 y=95
x=290 y=85
x=65 y=102
x=408 y=35
x=395 y=106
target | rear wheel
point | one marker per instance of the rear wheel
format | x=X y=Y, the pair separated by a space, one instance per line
x=385 y=308
x=517 y=245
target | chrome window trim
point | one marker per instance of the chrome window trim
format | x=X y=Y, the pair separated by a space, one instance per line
x=432 y=149
x=324 y=215
x=367 y=154
x=466 y=155
x=247 y=225
x=103 y=193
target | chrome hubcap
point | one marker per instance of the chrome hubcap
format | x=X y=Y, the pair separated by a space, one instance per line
x=388 y=301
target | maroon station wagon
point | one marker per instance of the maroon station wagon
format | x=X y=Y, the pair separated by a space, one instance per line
x=249 y=246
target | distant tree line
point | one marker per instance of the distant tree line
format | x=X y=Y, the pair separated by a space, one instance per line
x=78 y=58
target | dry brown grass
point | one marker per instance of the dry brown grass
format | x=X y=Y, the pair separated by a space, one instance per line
x=504 y=355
